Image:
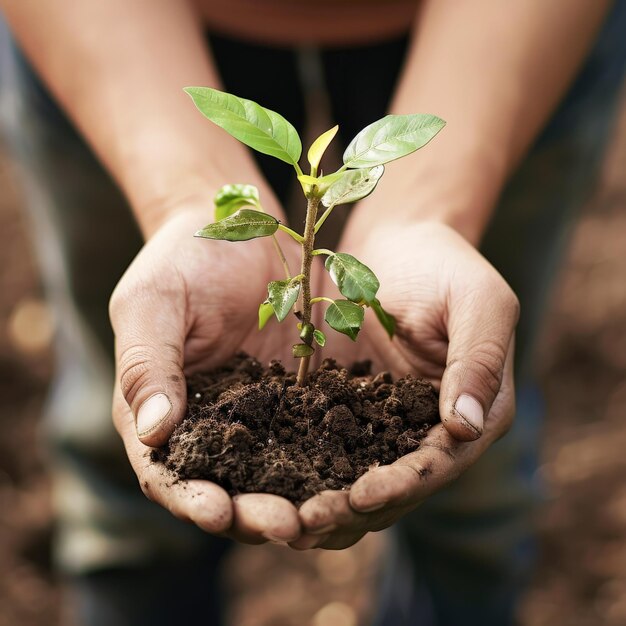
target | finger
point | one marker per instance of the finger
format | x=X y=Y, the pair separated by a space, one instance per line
x=308 y=542
x=199 y=501
x=481 y=323
x=439 y=460
x=334 y=541
x=341 y=541
x=330 y=513
x=148 y=322
x=263 y=517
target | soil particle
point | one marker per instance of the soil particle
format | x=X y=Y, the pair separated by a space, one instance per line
x=251 y=429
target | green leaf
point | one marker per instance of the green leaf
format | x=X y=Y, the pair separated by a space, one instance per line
x=318 y=147
x=231 y=198
x=345 y=317
x=283 y=295
x=257 y=127
x=355 y=280
x=240 y=226
x=266 y=310
x=320 y=337
x=353 y=185
x=387 y=320
x=300 y=350
x=390 y=138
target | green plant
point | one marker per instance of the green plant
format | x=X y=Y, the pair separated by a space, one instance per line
x=390 y=138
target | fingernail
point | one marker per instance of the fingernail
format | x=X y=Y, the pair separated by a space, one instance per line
x=280 y=541
x=152 y=412
x=471 y=411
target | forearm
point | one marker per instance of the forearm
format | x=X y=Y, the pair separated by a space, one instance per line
x=118 y=69
x=494 y=71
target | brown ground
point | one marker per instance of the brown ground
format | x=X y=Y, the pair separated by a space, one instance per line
x=581 y=580
x=251 y=429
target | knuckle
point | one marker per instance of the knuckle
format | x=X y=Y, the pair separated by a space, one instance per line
x=484 y=368
x=134 y=369
x=512 y=303
x=117 y=303
x=508 y=300
x=489 y=366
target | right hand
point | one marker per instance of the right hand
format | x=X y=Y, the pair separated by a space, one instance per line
x=186 y=305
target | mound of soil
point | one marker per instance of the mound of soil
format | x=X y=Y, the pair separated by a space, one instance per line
x=251 y=429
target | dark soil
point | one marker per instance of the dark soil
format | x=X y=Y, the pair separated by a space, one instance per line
x=251 y=429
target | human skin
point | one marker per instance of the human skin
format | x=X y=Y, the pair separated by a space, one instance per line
x=493 y=70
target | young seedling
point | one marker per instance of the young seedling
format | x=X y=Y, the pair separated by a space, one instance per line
x=240 y=216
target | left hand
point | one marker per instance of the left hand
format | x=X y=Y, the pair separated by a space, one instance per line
x=455 y=322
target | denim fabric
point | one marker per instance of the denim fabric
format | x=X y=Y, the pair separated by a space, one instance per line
x=462 y=557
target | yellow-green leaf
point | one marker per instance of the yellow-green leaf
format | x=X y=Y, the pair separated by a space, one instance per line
x=266 y=310
x=321 y=183
x=318 y=147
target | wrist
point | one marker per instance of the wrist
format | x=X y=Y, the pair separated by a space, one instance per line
x=194 y=200
x=457 y=187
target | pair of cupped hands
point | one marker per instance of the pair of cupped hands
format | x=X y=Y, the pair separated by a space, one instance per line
x=187 y=305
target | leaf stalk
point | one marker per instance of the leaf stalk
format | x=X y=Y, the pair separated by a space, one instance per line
x=292 y=233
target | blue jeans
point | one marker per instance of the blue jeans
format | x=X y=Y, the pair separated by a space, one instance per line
x=463 y=556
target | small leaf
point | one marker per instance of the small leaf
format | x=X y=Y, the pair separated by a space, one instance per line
x=266 y=310
x=300 y=350
x=306 y=332
x=257 y=127
x=390 y=138
x=231 y=198
x=320 y=338
x=305 y=179
x=345 y=317
x=283 y=295
x=387 y=320
x=318 y=147
x=323 y=182
x=353 y=185
x=240 y=226
x=355 y=280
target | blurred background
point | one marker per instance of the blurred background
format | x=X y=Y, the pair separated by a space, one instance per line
x=581 y=579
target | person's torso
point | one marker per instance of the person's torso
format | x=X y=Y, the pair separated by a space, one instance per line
x=335 y=23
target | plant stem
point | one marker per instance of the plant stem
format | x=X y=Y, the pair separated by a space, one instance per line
x=282 y=257
x=307 y=260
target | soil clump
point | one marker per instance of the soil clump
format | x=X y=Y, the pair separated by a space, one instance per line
x=250 y=429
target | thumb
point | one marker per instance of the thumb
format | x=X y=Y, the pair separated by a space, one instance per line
x=480 y=336
x=149 y=340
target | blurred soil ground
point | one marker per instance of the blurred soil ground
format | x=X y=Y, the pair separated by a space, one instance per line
x=581 y=580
